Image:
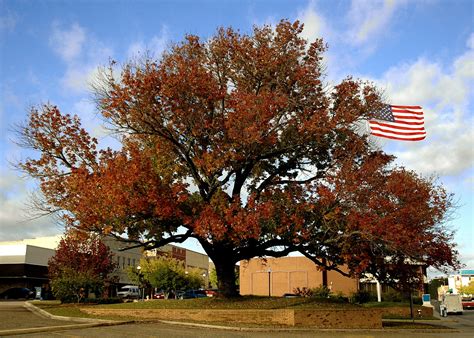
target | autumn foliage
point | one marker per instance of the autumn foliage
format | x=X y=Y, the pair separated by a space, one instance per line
x=236 y=141
x=82 y=263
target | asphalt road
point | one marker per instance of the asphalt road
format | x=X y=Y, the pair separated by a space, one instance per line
x=164 y=330
x=14 y=316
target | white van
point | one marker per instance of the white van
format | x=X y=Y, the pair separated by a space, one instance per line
x=451 y=304
x=129 y=292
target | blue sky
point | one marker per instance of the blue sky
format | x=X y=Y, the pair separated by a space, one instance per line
x=418 y=52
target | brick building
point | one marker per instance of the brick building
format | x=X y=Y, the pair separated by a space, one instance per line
x=277 y=276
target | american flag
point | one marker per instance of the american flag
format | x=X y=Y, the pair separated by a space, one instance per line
x=399 y=123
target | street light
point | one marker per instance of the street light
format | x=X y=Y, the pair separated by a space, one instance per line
x=269 y=286
x=142 y=292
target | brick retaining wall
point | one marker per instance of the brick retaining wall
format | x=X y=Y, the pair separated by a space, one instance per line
x=404 y=311
x=320 y=318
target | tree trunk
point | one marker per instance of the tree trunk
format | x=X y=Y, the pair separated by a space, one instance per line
x=226 y=277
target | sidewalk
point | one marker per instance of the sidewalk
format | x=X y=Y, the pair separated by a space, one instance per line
x=23 y=317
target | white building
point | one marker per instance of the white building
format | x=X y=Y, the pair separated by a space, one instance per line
x=24 y=263
x=455 y=282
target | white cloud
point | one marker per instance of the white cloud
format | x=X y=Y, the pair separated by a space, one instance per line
x=15 y=222
x=155 y=46
x=446 y=96
x=68 y=43
x=82 y=55
x=315 y=25
x=369 y=18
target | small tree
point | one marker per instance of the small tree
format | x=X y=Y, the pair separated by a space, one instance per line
x=467 y=290
x=81 y=264
x=164 y=273
x=74 y=285
x=213 y=278
x=194 y=279
x=167 y=274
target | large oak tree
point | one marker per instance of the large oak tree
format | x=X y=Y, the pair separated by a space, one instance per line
x=237 y=142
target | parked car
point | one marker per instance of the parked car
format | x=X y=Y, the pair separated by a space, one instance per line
x=17 y=293
x=129 y=292
x=211 y=292
x=162 y=294
x=468 y=303
x=193 y=294
x=159 y=295
x=291 y=295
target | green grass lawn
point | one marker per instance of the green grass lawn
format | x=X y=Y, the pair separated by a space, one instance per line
x=246 y=302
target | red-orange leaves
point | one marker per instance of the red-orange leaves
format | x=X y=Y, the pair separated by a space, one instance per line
x=127 y=189
x=236 y=141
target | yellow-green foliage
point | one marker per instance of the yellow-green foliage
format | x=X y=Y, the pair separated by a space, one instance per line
x=467 y=290
x=167 y=274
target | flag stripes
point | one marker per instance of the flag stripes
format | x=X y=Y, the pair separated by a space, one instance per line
x=399 y=123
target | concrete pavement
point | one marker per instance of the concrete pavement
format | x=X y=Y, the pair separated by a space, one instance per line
x=19 y=317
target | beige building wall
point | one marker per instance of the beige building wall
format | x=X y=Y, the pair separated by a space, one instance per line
x=196 y=260
x=277 y=276
x=124 y=259
x=24 y=254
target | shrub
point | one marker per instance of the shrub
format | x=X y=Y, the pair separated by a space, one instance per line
x=362 y=296
x=303 y=292
x=392 y=296
x=339 y=297
x=321 y=291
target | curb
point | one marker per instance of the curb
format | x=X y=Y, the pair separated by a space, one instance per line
x=44 y=313
x=50 y=328
x=303 y=329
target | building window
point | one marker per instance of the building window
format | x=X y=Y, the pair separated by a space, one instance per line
x=123 y=262
x=128 y=262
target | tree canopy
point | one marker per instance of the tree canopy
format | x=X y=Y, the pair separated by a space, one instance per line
x=82 y=263
x=238 y=142
x=166 y=274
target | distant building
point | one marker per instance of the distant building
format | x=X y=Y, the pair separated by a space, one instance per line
x=462 y=279
x=191 y=259
x=24 y=263
x=277 y=276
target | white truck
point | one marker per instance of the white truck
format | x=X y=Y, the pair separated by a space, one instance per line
x=129 y=292
x=451 y=303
